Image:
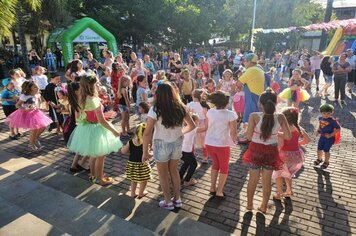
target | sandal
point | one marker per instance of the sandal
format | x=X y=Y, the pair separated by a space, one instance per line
x=103 y=182
x=317 y=162
x=325 y=165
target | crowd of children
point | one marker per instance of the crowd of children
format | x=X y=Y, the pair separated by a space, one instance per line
x=177 y=115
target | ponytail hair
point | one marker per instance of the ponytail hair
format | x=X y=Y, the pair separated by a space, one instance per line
x=139 y=130
x=292 y=114
x=268 y=101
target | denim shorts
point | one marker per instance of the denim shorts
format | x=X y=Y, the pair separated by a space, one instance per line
x=328 y=79
x=123 y=108
x=164 y=151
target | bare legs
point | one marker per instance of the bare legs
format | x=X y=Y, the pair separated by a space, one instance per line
x=219 y=188
x=35 y=134
x=97 y=170
x=142 y=188
x=324 y=89
x=125 y=126
x=166 y=170
x=266 y=187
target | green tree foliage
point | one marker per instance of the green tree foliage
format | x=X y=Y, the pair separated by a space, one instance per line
x=172 y=22
x=270 y=14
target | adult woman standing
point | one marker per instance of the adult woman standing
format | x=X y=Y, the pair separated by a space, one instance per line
x=109 y=59
x=121 y=62
x=34 y=60
x=92 y=63
x=116 y=74
x=165 y=122
x=325 y=66
x=340 y=70
x=191 y=67
x=150 y=68
x=175 y=65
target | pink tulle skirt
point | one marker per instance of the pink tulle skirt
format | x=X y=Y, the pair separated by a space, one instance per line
x=293 y=161
x=29 y=120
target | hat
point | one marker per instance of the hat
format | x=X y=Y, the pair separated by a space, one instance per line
x=326 y=108
x=5 y=82
x=251 y=57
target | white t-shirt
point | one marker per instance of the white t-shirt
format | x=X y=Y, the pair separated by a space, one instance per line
x=188 y=140
x=167 y=135
x=315 y=62
x=41 y=81
x=143 y=118
x=29 y=100
x=196 y=107
x=218 y=133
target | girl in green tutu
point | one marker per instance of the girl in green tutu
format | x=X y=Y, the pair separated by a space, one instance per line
x=94 y=136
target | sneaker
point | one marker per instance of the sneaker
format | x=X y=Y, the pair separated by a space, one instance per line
x=167 y=206
x=18 y=135
x=177 y=203
x=32 y=147
x=343 y=102
x=39 y=145
x=336 y=101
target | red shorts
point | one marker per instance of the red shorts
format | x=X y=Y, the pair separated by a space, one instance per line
x=220 y=157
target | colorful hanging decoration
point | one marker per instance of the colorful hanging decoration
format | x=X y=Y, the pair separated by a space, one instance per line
x=349 y=24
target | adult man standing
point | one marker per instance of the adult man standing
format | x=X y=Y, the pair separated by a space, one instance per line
x=254 y=81
x=351 y=77
x=222 y=63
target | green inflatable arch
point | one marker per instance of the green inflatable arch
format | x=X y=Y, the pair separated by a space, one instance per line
x=85 y=30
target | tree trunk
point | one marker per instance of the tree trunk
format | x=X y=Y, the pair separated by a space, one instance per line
x=16 y=51
x=22 y=39
x=328 y=12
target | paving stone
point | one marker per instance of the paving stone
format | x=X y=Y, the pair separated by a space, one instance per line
x=324 y=201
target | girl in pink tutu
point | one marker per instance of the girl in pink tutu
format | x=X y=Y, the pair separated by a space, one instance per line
x=291 y=154
x=239 y=102
x=28 y=115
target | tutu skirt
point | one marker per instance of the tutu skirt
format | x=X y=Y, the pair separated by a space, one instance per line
x=299 y=95
x=293 y=161
x=28 y=120
x=93 y=140
x=260 y=156
x=138 y=171
x=240 y=105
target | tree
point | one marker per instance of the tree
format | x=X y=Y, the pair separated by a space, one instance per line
x=11 y=13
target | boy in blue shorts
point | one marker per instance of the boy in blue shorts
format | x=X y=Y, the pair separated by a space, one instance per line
x=328 y=127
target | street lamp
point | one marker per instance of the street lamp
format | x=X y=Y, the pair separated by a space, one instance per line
x=253 y=24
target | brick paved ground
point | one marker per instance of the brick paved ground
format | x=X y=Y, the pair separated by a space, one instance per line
x=324 y=201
